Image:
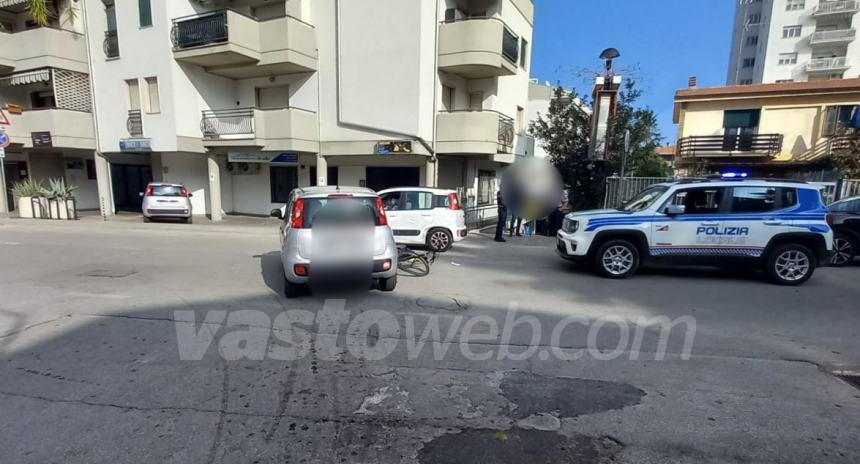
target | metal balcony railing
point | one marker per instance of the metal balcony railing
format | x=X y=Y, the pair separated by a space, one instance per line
x=111 y=44
x=766 y=144
x=841 y=35
x=134 y=123
x=506 y=134
x=827 y=64
x=837 y=7
x=198 y=30
x=233 y=123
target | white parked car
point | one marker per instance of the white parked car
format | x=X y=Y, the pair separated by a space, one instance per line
x=162 y=200
x=425 y=216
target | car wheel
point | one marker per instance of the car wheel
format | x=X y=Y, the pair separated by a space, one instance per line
x=292 y=290
x=189 y=220
x=790 y=264
x=844 y=250
x=387 y=285
x=439 y=240
x=617 y=259
x=146 y=220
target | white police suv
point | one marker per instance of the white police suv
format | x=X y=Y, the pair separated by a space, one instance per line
x=780 y=225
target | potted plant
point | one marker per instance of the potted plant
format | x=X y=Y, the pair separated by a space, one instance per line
x=30 y=197
x=61 y=199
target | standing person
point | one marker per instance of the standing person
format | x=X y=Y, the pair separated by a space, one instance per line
x=503 y=216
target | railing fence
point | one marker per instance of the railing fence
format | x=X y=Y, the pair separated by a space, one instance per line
x=234 y=122
x=621 y=189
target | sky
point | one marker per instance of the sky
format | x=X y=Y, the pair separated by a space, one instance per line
x=663 y=43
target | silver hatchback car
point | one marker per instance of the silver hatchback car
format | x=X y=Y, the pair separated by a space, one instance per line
x=162 y=200
x=333 y=234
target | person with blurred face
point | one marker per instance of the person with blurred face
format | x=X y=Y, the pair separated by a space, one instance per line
x=503 y=216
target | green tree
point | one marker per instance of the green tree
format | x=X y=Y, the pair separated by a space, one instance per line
x=645 y=138
x=847 y=156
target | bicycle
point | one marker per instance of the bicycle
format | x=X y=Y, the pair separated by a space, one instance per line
x=414 y=263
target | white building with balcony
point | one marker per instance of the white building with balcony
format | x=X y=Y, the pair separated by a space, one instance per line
x=46 y=100
x=794 y=40
x=244 y=100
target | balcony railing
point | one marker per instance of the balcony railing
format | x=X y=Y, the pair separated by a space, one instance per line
x=827 y=64
x=475 y=131
x=134 y=123
x=197 y=30
x=841 y=35
x=506 y=133
x=717 y=145
x=228 y=124
x=837 y=7
x=111 y=44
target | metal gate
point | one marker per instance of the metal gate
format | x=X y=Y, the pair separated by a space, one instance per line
x=621 y=189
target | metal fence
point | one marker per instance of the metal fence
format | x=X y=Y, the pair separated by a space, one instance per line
x=850 y=188
x=480 y=216
x=232 y=123
x=202 y=29
x=621 y=189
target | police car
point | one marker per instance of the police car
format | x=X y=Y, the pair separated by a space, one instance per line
x=780 y=225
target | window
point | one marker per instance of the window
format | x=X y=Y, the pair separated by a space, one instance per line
x=152 y=102
x=283 y=179
x=524 y=48
x=91 y=169
x=780 y=81
x=787 y=58
x=133 y=94
x=644 y=199
x=794 y=5
x=43 y=99
x=450 y=14
x=411 y=201
x=791 y=32
x=745 y=82
x=521 y=120
x=486 y=187
x=753 y=199
x=145 y=12
x=745 y=120
x=754 y=18
x=273 y=97
x=846 y=206
x=752 y=41
x=837 y=118
x=748 y=63
x=448 y=98
x=705 y=200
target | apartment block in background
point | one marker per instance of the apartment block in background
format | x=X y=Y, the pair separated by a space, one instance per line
x=794 y=40
x=783 y=130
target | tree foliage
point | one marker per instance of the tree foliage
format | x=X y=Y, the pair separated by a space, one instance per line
x=564 y=132
x=847 y=157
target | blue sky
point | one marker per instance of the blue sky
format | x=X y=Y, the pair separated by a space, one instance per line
x=668 y=40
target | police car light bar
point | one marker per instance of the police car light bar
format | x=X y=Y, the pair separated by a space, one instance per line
x=734 y=175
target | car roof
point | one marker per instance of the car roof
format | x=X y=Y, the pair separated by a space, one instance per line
x=304 y=192
x=749 y=182
x=434 y=191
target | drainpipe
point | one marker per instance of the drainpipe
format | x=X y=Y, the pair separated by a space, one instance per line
x=103 y=180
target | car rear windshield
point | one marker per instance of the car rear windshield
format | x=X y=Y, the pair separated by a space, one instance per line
x=341 y=211
x=166 y=191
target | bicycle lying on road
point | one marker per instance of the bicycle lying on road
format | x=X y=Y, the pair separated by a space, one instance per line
x=415 y=263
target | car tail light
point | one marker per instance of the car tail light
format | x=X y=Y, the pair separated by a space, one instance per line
x=380 y=211
x=301 y=270
x=183 y=191
x=829 y=218
x=148 y=192
x=340 y=195
x=453 y=201
x=297 y=216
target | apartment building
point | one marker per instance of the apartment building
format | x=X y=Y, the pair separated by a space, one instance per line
x=794 y=41
x=244 y=100
x=46 y=99
x=788 y=129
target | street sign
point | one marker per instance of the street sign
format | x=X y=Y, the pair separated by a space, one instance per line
x=4 y=121
x=135 y=146
x=4 y=140
x=42 y=139
x=388 y=147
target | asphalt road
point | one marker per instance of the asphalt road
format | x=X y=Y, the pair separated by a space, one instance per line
x=94 y=366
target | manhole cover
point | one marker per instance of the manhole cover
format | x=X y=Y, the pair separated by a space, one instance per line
x=108 y=273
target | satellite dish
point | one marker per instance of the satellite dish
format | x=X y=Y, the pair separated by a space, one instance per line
x=610 y=54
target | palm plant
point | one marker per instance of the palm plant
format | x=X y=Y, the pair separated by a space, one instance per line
x=28 y=188
x=42 y=11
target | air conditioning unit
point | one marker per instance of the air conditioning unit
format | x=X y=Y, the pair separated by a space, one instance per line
x=239 y=169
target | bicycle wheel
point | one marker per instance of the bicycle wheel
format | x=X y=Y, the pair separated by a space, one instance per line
x=413 y=265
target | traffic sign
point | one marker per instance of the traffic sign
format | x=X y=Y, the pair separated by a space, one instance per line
x=4 y=121
x=4 y=140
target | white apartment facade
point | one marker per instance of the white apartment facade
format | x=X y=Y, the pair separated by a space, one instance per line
x=794 y=41
x=243 y=100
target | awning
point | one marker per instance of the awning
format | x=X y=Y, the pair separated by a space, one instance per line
x=24 y=78
x=8 y=3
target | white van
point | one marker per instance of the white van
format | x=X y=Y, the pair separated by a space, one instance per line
x=425 y=216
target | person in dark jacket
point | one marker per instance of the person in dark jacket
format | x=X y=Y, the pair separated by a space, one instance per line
x=503 y=216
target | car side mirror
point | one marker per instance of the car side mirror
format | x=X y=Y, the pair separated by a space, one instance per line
x=190 y=195
x=673 y=210
x=276 y=213
x=140 y=193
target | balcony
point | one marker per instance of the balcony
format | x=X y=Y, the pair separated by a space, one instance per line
x=478 y=48
x=842 y=36
x=281 y=129
x=719 y=146
x=474 y=132
x=42 y=48
x=826 y=65
x=236 y=46
x=67 y=128
x=134 y=124
x=111 y=45
x=836 y=8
